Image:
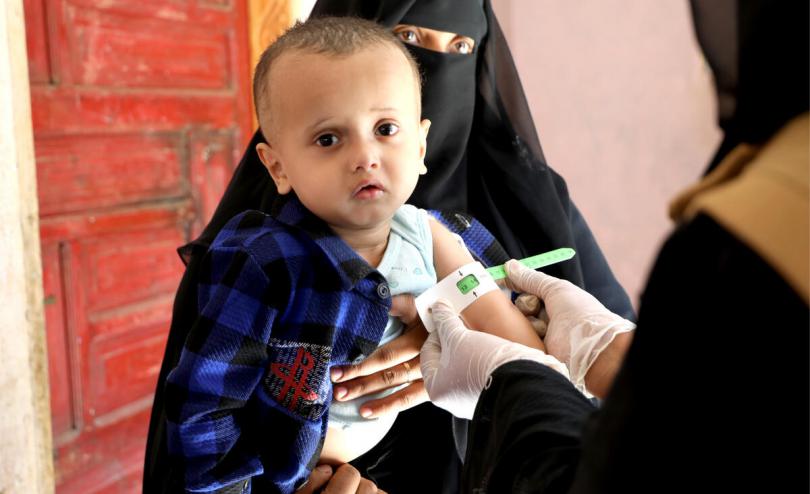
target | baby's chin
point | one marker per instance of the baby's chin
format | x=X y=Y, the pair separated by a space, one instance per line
x=358 y=227
x=364 y=217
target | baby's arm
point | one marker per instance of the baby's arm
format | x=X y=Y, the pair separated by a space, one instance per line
x=493 y=312
x=221 y=364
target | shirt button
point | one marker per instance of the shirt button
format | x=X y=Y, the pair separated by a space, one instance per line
x=383 y=291
x=463 y=220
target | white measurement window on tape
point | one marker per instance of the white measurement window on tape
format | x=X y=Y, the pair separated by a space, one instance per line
x=467 y=283
x=461 y=287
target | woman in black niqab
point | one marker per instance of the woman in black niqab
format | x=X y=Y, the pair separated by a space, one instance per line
x=483 y=156
x=484 y=159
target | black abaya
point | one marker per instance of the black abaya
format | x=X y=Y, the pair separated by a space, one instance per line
x=483 y=158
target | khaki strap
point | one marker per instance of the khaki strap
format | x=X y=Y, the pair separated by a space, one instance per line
x=760 y=194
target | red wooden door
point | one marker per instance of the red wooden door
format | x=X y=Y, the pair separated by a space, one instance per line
x=140 y=110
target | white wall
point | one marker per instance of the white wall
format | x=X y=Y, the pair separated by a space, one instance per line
x=26 y=459
x=624 y=106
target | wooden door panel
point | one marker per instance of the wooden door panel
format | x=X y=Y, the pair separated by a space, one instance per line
x=60 y=371
x=211 y=167
x=36 y=41
x=78 y=110
x=140 y=111
x=117 y=273
x=114 y=49
x=79 y=173
x=210 y=12
x=125 y=220
x=126 y=364
x=130 y=268
x=104 y=458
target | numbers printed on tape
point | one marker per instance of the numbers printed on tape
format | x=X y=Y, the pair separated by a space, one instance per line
x=467 y=284
x=535 y=262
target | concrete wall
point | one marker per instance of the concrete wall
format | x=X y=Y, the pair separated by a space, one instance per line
x=25 y=427
x=623 y=103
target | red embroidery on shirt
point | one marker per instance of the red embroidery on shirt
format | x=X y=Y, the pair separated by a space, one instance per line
x=287 y=373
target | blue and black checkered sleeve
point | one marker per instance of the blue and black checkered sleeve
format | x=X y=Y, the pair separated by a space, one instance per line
x=221 y=365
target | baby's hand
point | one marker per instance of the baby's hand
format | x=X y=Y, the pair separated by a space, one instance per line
x=344 y=480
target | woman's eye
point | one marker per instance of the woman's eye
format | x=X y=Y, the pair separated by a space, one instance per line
x=463 y=47
x=408 y=36
x=327 y=140
x=387 y=129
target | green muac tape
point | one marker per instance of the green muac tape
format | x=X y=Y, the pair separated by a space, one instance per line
x=465 y=285
x=535 y=262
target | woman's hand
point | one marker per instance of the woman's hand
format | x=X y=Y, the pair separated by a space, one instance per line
x=581 y=333
x=392 y=364
x=345 y=480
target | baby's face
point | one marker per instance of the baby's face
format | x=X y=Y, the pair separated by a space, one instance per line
x=346 y=135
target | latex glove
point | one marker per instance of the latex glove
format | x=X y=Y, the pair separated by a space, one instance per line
x=457 y=363
x=579 y=326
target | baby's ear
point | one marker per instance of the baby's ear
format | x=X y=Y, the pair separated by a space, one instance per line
x=424 y=127
x=275 y=167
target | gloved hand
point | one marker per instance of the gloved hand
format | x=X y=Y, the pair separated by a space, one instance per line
x=457 y=363
x=579 y=326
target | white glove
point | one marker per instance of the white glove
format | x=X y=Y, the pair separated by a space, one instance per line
x=457 y=363
x=579 y=326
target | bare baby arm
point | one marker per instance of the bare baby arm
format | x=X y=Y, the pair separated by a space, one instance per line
x=493 y=312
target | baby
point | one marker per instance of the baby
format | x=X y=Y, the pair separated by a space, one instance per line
x=286 y=296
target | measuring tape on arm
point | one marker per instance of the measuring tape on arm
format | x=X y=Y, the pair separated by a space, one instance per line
x=469 y=282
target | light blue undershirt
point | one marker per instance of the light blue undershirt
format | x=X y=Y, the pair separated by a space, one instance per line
x=407 y=265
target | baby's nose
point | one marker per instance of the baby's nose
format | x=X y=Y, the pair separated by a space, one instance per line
x=365 y=157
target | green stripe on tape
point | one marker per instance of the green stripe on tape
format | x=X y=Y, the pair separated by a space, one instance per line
x=535 y=262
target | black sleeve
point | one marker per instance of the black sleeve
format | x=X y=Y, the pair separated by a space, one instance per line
x=712 y=396
x=525 y=435
x=597 y=276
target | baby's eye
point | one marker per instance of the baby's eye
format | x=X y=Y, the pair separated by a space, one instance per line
x=463 y=47
x=408 y=36
x=326 y=140
x=387 y=129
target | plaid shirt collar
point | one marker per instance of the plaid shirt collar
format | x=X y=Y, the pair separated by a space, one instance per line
x=289 y=210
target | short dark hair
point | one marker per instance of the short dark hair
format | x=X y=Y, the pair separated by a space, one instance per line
x=340 y=36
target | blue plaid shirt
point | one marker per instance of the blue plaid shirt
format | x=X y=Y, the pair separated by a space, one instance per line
x=281 y=300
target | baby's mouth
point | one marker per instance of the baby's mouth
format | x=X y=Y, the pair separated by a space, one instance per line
x=368 y=190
